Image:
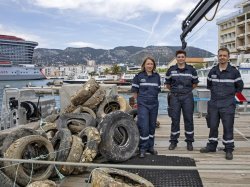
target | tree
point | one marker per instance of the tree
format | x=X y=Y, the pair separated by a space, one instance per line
x=92 y=73
x=115 y=69
x=106 y=71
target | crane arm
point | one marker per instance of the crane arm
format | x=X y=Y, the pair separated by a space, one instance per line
x=194 y=17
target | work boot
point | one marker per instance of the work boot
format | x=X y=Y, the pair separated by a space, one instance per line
x=229 y=155
x=142 y=154
x=206 y=150
x=172 y=146
x=152 y=151
x=190 y=146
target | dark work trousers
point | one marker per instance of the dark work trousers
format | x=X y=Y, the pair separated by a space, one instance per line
x=184 y=103
x=146 y=119
x=226 y=114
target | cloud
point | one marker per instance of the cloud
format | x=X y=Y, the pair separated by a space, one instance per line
x=123 y=12
x=115 y=9
x=106 y=22
x=173 y=24
x=132 y=26
x=198 y=33
x=157 y=19
x=15 y=31
x=85 y=44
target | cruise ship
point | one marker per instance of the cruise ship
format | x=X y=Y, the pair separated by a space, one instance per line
x=15 y=59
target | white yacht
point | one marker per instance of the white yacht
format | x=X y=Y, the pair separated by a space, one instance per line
x=101 y=78
x=244 y=69
x=82 y=78
x=127 y=77
x=202 y=76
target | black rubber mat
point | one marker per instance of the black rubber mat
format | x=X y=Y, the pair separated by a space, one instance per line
x=166 y=178
x=161 y=160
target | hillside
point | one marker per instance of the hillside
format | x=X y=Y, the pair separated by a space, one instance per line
x=127 y=54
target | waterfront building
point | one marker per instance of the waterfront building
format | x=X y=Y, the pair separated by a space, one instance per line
x=91 y=63
x=68 y=71
x=189 y=60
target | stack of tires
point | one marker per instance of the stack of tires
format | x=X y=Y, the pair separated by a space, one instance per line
x=74 y=137
x=26 y=144
x=92 y=99
x=118 y=130
x=92 y=124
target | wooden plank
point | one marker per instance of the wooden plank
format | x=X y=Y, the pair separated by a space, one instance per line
x=223 y=185
x=225 y=178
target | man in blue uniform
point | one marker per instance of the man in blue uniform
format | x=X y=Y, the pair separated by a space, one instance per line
x=146 y=87
x=181 y=79
x=224 y=81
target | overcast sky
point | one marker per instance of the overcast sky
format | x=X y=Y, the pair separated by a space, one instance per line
x=107 y=23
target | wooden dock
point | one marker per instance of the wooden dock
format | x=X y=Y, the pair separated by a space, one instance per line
x=231 y=177
x=238 y=172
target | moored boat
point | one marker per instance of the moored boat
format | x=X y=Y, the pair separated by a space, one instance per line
x=244 y=69
x=77 y=79
x=8 y=72
x=101 y=78
x=19 y=52
x=127 y=77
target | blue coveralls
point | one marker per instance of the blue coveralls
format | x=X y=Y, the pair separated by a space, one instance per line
x=181 y=98
x=223 y=85
x=148 y=88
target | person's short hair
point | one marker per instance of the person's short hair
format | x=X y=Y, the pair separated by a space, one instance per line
x=224 y=49
x=180 y=52
x=144 y=62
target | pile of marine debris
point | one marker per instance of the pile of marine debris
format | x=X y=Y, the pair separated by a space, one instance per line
x=92 y=124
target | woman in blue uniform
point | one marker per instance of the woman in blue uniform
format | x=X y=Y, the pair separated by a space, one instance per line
x=146 y=86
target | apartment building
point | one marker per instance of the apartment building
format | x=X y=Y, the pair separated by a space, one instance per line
x=234 y=29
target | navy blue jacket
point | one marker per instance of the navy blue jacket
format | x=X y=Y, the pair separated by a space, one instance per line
x=181 y=80
x=224 y=84
x=146 y=85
